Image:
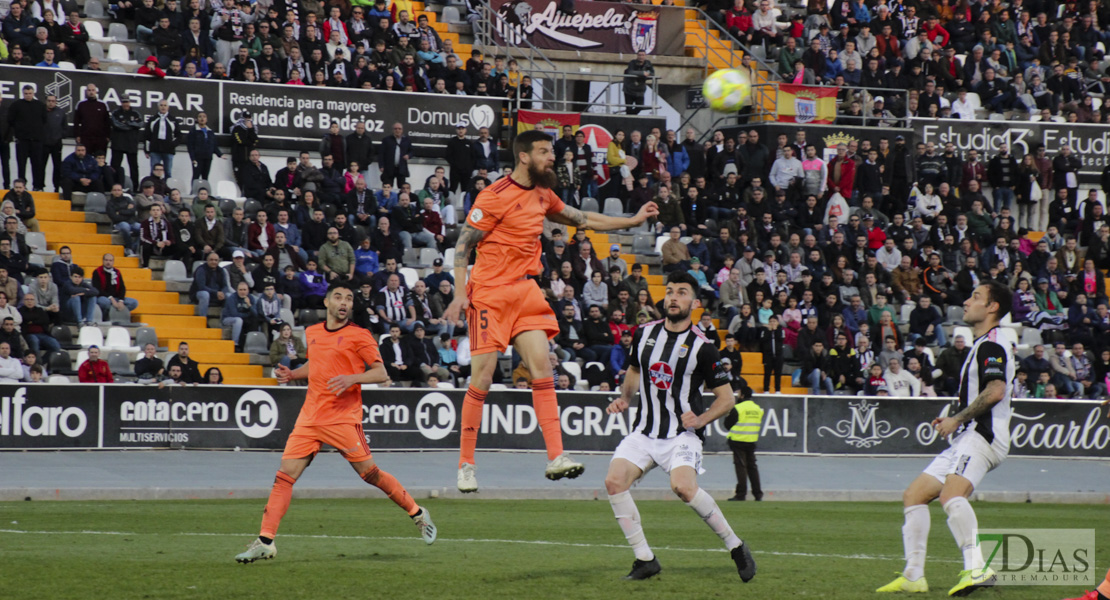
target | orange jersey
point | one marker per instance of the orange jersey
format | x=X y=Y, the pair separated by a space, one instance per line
x=513 y=216
x=345 y=351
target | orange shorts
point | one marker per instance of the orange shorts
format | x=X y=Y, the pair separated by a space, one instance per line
x=347 y=438
x=498 y=314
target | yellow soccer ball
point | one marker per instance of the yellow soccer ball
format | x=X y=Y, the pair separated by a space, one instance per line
x=727 y=90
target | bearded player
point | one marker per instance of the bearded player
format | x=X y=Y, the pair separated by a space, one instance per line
x=503 y=305
x=980 y=441
x=338 y=353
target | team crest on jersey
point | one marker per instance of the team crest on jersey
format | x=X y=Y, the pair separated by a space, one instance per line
x=662 y=376
x=682 y=351
x=476 y=215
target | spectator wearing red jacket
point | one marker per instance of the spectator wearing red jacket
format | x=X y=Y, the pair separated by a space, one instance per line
x=108 y=280
x=738 y=21
x=432 y=221
x=842 y=173
x=260 y=234
x=150 y=67
x=95 y=370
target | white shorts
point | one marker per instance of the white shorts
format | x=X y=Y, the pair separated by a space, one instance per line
x=969 y=456
x=683 y=450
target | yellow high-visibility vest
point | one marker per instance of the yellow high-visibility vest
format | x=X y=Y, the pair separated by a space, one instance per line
x=746 y=429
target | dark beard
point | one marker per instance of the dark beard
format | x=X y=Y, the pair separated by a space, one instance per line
x=680 y=317
x=542 y=177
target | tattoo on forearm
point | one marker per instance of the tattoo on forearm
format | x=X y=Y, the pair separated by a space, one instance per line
x=569 y=216
x=980 y=405
x=468 y=240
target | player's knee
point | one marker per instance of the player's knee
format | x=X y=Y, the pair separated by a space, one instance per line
x=372 y=475
x=684 y=491
x=615 y=484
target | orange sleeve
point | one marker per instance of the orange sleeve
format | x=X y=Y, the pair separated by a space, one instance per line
x=556 y=203
x=487 y=212
x=368 y=349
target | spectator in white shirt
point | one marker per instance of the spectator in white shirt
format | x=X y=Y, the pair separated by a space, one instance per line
x=963 y=107
x=11 y=370
x=889 y=255
x=900 y=382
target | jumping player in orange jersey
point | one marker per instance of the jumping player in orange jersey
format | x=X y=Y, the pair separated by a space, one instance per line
x=503 y=305
x=338 y=353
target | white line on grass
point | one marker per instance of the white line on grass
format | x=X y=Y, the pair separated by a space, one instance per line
x=457 y=540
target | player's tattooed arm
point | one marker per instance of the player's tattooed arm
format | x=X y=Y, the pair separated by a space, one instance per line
x=571 y=216
x=468 y=241
x=990 y=396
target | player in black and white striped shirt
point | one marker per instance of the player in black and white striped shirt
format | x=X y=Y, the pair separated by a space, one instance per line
x=980 y=442
x=672 y=363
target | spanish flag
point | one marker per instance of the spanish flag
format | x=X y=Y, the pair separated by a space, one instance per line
x=806 y=103
x=549 y=122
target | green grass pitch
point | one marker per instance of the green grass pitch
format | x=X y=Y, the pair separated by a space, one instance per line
x=366 y=549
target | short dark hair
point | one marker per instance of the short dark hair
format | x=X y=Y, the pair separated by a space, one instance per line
x=680 y=277
x=998 y=292
x=345 y=284
x=527 y=139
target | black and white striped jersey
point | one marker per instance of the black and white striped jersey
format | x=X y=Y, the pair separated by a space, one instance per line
x=989 y=360
x=675 y=368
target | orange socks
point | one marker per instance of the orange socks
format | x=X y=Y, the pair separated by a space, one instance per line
x=278 y=503
x=392 y=488
x=471 y=422
x=547 y=413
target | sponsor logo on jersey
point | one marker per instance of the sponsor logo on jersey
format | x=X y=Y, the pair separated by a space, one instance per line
x=476 y=215
x=662 y=376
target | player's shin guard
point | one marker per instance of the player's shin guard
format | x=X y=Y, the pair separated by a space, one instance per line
x=280 y=495
x=547 y=413
x=392 y=488
x=915 y=537
x=707 y=509
x=471 y=422
x=628 y=517
x=962 y=522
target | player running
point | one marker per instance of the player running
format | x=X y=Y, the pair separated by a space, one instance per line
x=503 y=305
x=338 y=353
x=676 y=362
x=980 y=442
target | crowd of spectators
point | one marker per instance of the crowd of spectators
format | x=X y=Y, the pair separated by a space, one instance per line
x=910 y=59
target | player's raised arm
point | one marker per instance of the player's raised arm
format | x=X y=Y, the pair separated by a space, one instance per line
x=468 y=241
x=598 y=222
x=284 y=374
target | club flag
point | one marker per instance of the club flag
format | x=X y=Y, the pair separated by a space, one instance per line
x=806 y=103
x=549 y=122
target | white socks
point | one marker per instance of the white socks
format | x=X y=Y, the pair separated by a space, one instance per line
x=915 y=536
x=707 y=509
x=962 y=522
x=628 y=517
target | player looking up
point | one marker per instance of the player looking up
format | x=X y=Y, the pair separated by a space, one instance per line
x=980 y=442
x=338 y=353
x=671 y=363
x=503 y=305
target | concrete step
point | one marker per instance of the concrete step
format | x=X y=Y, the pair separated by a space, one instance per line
x=154 y=297
x=187 y=321
x=66 y=231
x=170 y=332
x=58 y=214
x=146 y=310
x=238 y=371
x=255 y=381
x=200 y=347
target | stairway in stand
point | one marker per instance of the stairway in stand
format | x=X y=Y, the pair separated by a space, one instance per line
x=159 y=306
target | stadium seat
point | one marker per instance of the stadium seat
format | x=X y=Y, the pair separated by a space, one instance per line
x=198 y=184
x=142 y=52
x=428 y=256
x=1031 y=336
x=90 y=336
x=82 y=356
x=614 y=206
x=118 y=33
x=64 y=337
x=93 y=10
x=117 y=69
x=119 y=339
x=56 y=379
x=256 y=343
x=448 y=258
x=175 y=271
x=96 y=30
x=65 y=65
x=905 y=313
x=1007 y=337
x=443 y=385
x=96 y=202
x=176 y=184
x=227 y=189
x=590 y=205
x=119 y=316
x=58 y=362
x=450 y=14
x=307 y=317
x=644 y=244
x=144 y=336
x=251 y=208
x=120 y=364
x=410 y=256
x=97 y=51
x=497 y=386
x=955 y=314
x=659 y=243
x=964 y=331
x=227 y=207
x=410 y=275
x=330 y=210
x=118 y=53
x=36 y=260
x=575 y=371
x=37 y=241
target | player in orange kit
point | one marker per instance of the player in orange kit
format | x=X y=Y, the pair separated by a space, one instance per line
x=338 y=353
x=1102 y=592
x=504 y=306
